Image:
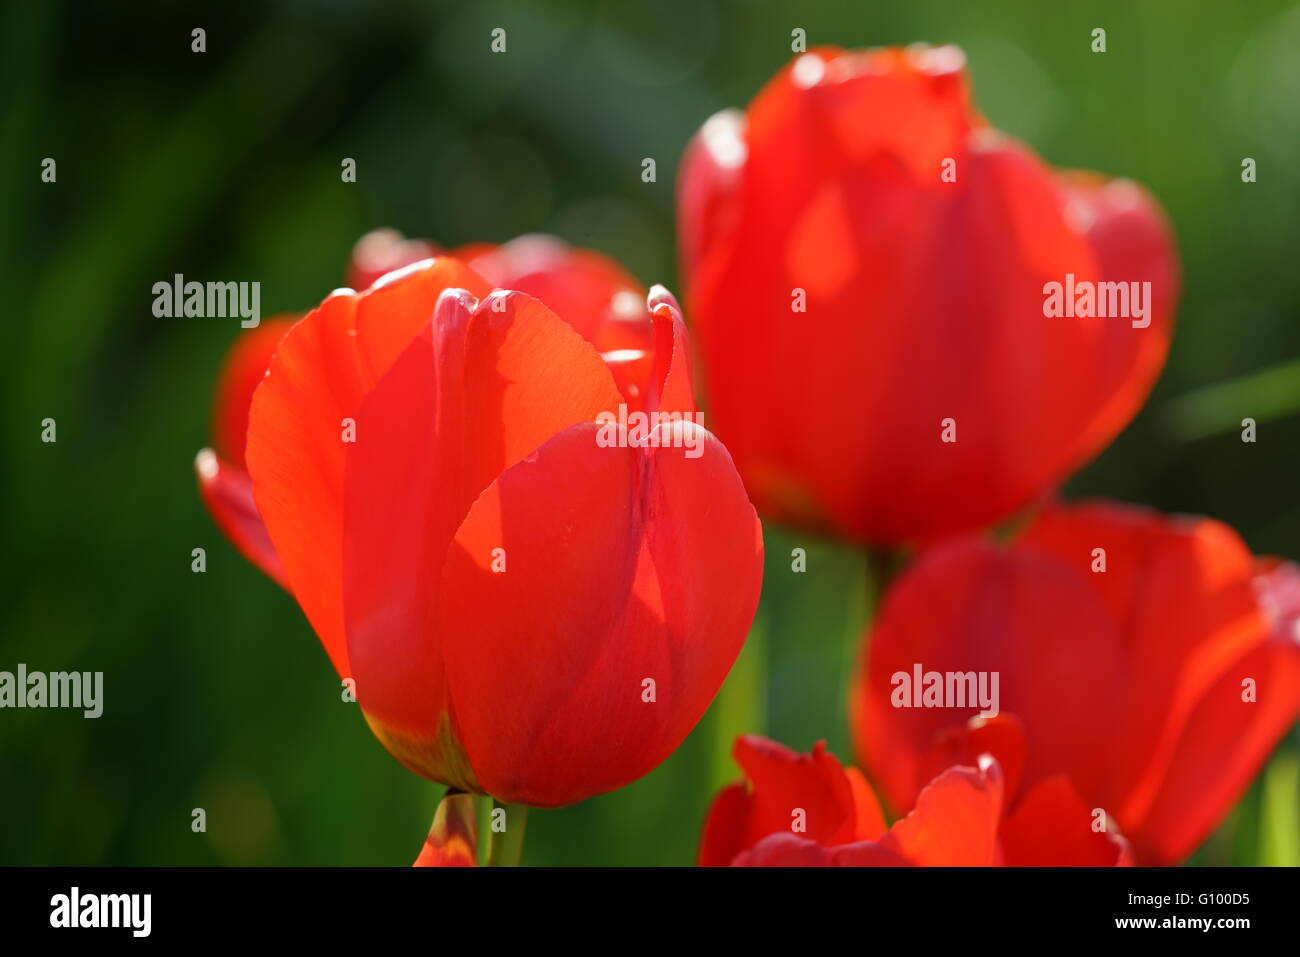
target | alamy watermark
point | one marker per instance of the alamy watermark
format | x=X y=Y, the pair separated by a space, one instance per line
x=75 y=909
x=946 y=689
x=1103 y=300
x=651 y=430
x=57 y=689
x=211 y=300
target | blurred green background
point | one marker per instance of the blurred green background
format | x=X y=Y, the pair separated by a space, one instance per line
x=225 y=165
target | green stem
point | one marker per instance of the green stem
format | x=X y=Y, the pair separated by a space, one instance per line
x=507 y=845
x=483 y=815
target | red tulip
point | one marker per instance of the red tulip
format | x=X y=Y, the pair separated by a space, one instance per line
x=922 y=390
x=797 y=810
x=1151 y=661
x=525 y=611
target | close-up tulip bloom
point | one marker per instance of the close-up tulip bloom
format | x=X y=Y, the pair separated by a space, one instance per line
x=1154 y=662
x=525 y=610
x=868 y=265
x=805 y=810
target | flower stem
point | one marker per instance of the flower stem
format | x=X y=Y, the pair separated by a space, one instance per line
x=507 y=845
x=483 y=814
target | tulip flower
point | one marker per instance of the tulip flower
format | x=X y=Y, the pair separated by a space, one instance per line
x=868 y=267
x=525 y=610
x=1152 y=661
x=804 y=810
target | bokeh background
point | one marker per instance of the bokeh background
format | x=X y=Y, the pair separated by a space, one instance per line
x=225 y=165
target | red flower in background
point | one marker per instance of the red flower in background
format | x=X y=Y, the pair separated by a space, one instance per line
x=525 y=612
x=223 y=477
x=923 y=297
x=804 y=810
x=1158 y=686
x=837 y=803
x=594 y=294
x=380 y=251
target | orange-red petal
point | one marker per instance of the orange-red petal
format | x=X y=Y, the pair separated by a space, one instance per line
x=299 y=422
x=481 y=387
x=227 y=491
x=633 y=572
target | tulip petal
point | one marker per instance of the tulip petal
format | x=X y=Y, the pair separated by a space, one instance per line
x=224 y=484
x=1052 y=827
x=1002 y=736
x=708 y=187
x=791 y=850
x=297 y=430
x=481 y=387
x=785 y=784
x=866 y=854
x=970 y=607
x=633 y=573
x=228 y=493
x=1131 y=241
x=785 y=850
x=244 y=369
x=955 y=821
x=1224 y=744
x=670 y=388
x=785 y=791
x=1181 y=591
x=725 y=826
x=586 y=289
x=869 y=815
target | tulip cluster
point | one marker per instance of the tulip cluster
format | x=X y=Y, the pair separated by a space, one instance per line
x=536 y=601
x=871 y=271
